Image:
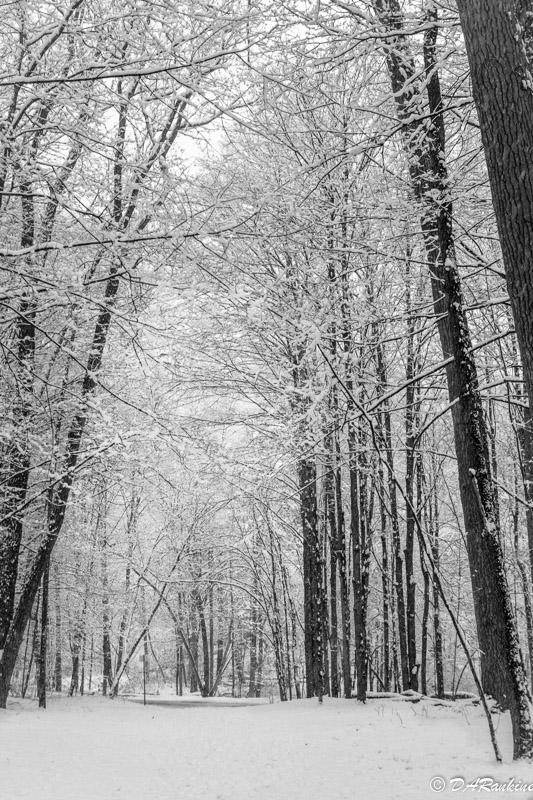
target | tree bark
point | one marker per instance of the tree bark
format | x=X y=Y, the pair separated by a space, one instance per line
x=330 y=519
x=498 y=40
x=43 y=641
x=312 y=564
x=411 y=423
x=58 y=656
x=107 y=670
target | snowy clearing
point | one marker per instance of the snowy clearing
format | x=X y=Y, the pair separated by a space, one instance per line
x=90 y=748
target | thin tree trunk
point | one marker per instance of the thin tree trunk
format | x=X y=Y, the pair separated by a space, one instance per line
x=385 y=589
x=253 y=648
x=193 y=647
x=205 y=646
x=260 y=660
x=107 y=671
x=41 y=666
x=312 y=561
x=435 y=553
x=411 y=421
x=35 y=619
x=58 y=660
x=130 y=533
x=330 y=519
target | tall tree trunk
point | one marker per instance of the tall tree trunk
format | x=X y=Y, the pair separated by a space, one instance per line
x=385 y=587
x=433 y=523
x=220 y=664
x=193 y=648
x=211 y=636
x=205 y=646
x=107 y=671
x=312 y=566
x=77 y=645
x=360 y=535
x=130 y=534
x=330 y=519
x=35 y=619
x=75 y=653
x=58 y=659
x=411 y=423
x=43 y=649
x=179 y=664
x=253 y=644
x=424 y=629
x=333 y=487
x=260 y=660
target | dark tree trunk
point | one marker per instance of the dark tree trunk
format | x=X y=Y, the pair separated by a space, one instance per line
x=276 y=624
x=179 y=666
x=385 y=589
x=205 y=647
x=330 y=519
x=435 y=553
x=422 y=510
x=424 y=631
x=411 y=422
x=525 y=443
x=107 y=672
x=333 y=483
x=211 y=636
x=220 y=636
x=312 y=563
x=253 y=649
x=288 y=653
x=260 y=660
x=498 y=42
x=193 y=648
x=43 y=642
x=127 y=582
x=58 y=656
x=35 y=619
x=91 y=663
x=343 y=574
x=75 y=677
x=360 y=558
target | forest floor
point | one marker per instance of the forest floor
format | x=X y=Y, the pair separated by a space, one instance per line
x=91 y=748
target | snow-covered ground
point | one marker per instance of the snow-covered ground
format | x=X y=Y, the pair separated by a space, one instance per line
x=91 y=748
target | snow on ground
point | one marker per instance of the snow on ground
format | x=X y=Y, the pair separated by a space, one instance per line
x=91 y=748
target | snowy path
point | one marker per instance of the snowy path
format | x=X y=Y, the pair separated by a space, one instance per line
x=94 y=749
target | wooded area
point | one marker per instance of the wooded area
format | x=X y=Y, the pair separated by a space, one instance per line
x=266 y=349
